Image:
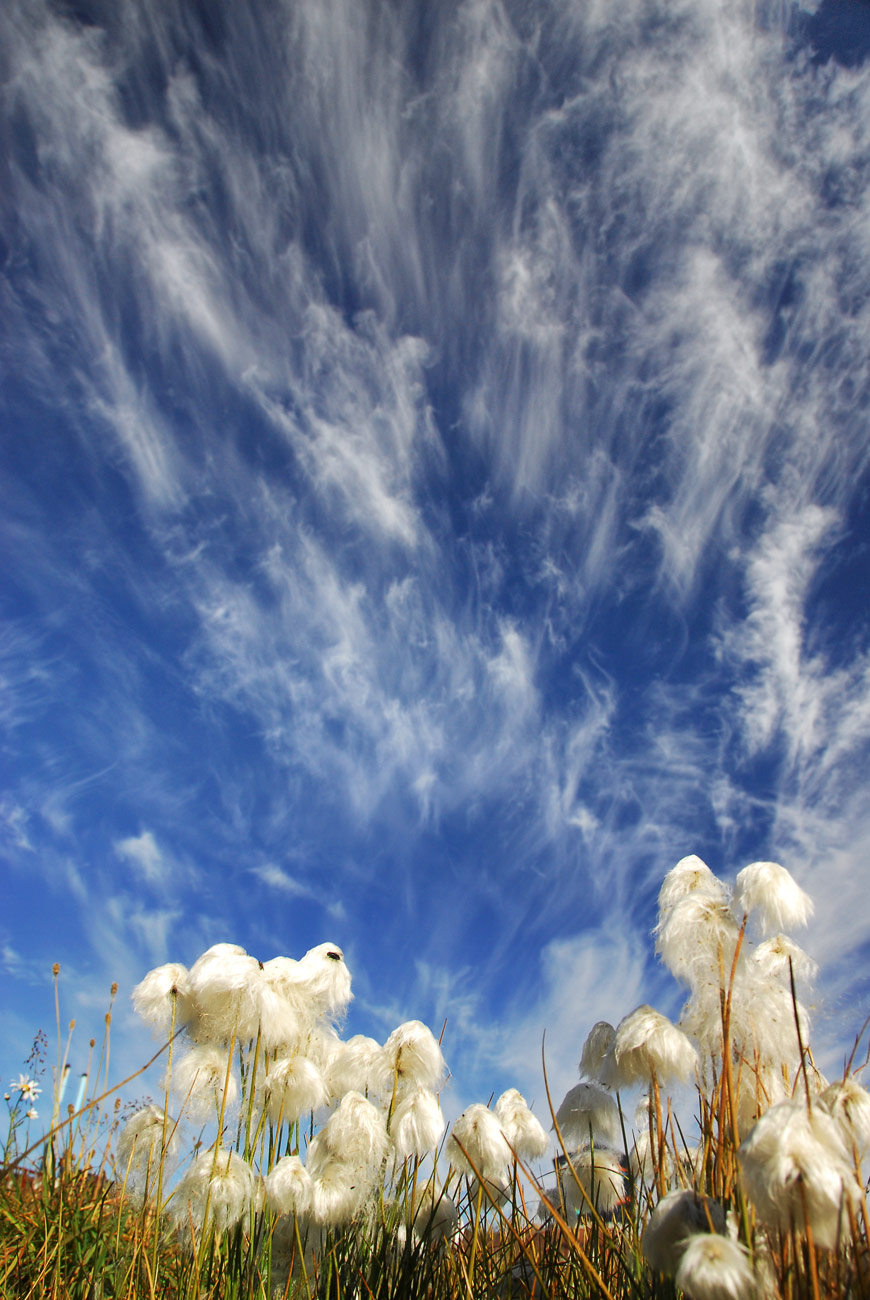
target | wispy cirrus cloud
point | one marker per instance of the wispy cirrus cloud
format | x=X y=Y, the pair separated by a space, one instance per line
x=468 y=411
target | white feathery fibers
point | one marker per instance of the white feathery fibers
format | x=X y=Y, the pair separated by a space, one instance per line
x=199 y=1079
x=642 y=1159
x=433 y=1214
x=600 y=1173
x=416 y=1125
x=161 y=997
x=321 y=1045
x=648 y=1043
x=354 y=1066
x=338 y=1189
x=288 y=1187
x=216 y=1191
x=293 y=1086
x=477 y=1140
x=596 y=1059
x=282 y=1013
x=715 y=1268
x=322 y=978
x=223 y=986
x=848 y=1104
x=797 y=1171
x=589 y=1114
x=691 y=935
x=356 y=1133
x=140 y=1145
x=771 y=960
x=411 y=1056
x=763 y=1021
x=522 y=1129
x=677 y=1217
x=771 y=893
x=691 y=875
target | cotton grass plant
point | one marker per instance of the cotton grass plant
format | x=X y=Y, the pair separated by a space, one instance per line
x=283 y=1160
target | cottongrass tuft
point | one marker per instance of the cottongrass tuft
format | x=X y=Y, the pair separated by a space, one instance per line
x=288 y=1187
x=676 y=1218
x=601 y=1175
x=596 y=1059
x=588 y=1113
x=161 y=998
x=339 y=1188
x=354 y=1066
x=694 y=935
x=771 y=893
x=202 y=1082
x=477 y=1141
x=798 y=1173
x=293 y=1087
x=691 y=875
x=434 y=1216
x=222 y=987
x=715 y=1268
x=522 y=1129
x=411 y=1057
x=356 y=1133
x=779 y=956
x=141 y=1147
x=648 y=1044
x=848 y=1104
x=216 y=1191
x=416 y=1125
x=322 y=978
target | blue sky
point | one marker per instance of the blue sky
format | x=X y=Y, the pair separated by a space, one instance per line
x=434 y=498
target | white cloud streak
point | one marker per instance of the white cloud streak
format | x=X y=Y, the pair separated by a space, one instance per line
x=433 y=349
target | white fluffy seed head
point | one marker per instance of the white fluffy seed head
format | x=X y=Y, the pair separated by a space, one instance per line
x=161 y=998
x=763 y=1022
x=141 y=1146
x=476 y=1139
x=648 y=1043
x=416 y=1125
x=288 y=1187
x=338 y=1191
x=433 y=1214
x=797 y=1171
x=601 y=1175
x=715 y=1268
x=323 y=980
x=770 y=892
x=354 y=1066
x=521 y=1128
x=848 y=1104
x=596 y=1059
x=771 y=960
x=200 y=1078
x=412 y=1058
x=282 y=1014
x=292 y=1087
x=643 y=1158
x=589 y=1114
x=223 y=986
x=691 y=936
x=216 y=1191
x=356 y=1133
x=676 y=1218
x=690 y=876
